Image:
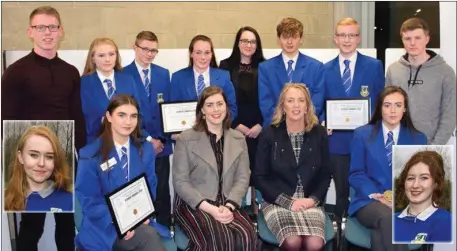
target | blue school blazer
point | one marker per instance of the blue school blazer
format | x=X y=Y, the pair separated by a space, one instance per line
x=160 y=92
x=97 y=231
x=183 y=86
x=273 y=77
x=369 y=169
x=368 y=81
x=94 y=100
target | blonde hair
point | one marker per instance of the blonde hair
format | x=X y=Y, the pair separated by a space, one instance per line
x=288 y=27
x=310 y=116
x=346 y=22
x=90 y=67
x=16 y=190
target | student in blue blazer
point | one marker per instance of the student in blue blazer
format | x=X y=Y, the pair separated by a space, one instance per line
x=156 y=86
x=349 y=75
x=370 y=173
x=420 y=193
x=289 y=66
x=117 y=156
x=188 y=83
x=102 y=79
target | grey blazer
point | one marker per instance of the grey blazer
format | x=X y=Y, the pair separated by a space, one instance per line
x=195 y=175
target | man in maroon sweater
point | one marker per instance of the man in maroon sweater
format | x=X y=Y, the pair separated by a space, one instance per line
x=41 y=86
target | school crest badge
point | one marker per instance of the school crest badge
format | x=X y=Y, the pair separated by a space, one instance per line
x=420 y=238
x=160 y=98
x=364 y=91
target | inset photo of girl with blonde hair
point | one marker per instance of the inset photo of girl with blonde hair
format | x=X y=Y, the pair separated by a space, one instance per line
x=38 y=166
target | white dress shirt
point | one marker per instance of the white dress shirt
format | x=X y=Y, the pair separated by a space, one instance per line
x=352 y=59
x=286 y=60
x=140 y=71
x=119 y=153
x=205 y=78
x=102 y=79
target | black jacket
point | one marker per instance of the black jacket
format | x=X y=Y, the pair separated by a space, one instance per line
x=276 y=169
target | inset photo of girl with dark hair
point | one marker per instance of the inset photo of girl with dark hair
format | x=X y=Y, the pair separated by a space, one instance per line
x=423 y=194
x=38 y=166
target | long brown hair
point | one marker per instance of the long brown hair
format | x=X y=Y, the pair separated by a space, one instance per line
x=90 y=67
x=105 y=132
x=205 y=39
x=310 y=116
x=200 y=123
x=435 y=164
x=18 y=187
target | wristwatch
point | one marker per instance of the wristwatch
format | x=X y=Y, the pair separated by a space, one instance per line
x=316 y=200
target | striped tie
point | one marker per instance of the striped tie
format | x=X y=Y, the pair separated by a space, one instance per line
x=147 y=84
x=201 y=84
x=125 y=162
x=389 y=143
x=109 y=83
x=347 y=81
x=290 y=71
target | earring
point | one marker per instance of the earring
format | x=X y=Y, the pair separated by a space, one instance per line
x=203 y=117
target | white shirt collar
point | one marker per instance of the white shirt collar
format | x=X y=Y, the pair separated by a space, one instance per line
x=395 y=131
x=140 y=71
x=205 y=77
x=102 y=78
x=286 y=60
x=352 y=59
x=423 y=216
x=119 y=146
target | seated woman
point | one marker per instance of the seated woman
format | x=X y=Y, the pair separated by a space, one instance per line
x=40 y=174
x=211 y=176
x=119 y=139
x=292 y=172
x=421 y=184
x=370 y=174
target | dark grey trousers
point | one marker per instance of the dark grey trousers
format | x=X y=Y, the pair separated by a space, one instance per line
x=145 y=238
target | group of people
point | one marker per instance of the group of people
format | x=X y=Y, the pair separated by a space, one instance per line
x=258 y=123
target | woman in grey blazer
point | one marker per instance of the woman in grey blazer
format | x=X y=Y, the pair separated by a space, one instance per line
x=211 y=176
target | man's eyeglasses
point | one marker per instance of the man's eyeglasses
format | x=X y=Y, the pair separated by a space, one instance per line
x=147 y=50
x=350 y=35
x=247 y=41
x=42 y=28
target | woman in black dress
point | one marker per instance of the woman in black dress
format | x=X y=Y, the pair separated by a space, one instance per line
x=242 y=65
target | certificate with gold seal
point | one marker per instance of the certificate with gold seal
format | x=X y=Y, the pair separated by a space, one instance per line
x=177 y=116
x=347 y=113
x=130 y=205
x=388 y=195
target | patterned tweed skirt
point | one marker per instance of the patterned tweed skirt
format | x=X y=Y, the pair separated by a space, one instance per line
x=284 y=223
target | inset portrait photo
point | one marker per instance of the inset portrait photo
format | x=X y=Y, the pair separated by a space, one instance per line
x=38 y=166
x=422 y=195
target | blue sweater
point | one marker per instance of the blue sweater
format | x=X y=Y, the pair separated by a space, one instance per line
x=433 y=225
x=57 y=201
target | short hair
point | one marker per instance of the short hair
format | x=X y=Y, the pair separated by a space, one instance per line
x=415 y=23
x=310 y=116
x=146 y=35
x=288 y=27
x=200 y=123
x=90 y=67
x=346 y=22
x=435 y=164
x=45 y=10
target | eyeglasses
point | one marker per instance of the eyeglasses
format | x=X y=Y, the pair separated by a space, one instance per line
x=147 y=50
x=247 y=41
x=350 y=35
x=42 y=28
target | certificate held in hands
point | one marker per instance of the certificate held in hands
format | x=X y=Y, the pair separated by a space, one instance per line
x=177 y=116
x=130 y=205
x=347 y=113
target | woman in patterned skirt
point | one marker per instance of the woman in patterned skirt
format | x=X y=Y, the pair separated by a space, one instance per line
x=292 y=172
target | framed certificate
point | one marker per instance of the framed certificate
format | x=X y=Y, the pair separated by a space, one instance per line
x=177 y=116
x=347 y=113
x=130 y=205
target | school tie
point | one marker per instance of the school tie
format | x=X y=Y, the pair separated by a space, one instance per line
x=347 y=81
x=125 y=162
x=147 y=83
x=201 y=84
x=290 y=71
x=389 y=143
x=109 y=83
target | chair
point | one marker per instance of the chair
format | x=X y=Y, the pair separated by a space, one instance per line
x=331 y=229
x=356 y=234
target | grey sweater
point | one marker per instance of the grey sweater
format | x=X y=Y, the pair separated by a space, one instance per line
x=431 y=91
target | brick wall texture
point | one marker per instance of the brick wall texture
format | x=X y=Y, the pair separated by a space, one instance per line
x=175 y=23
